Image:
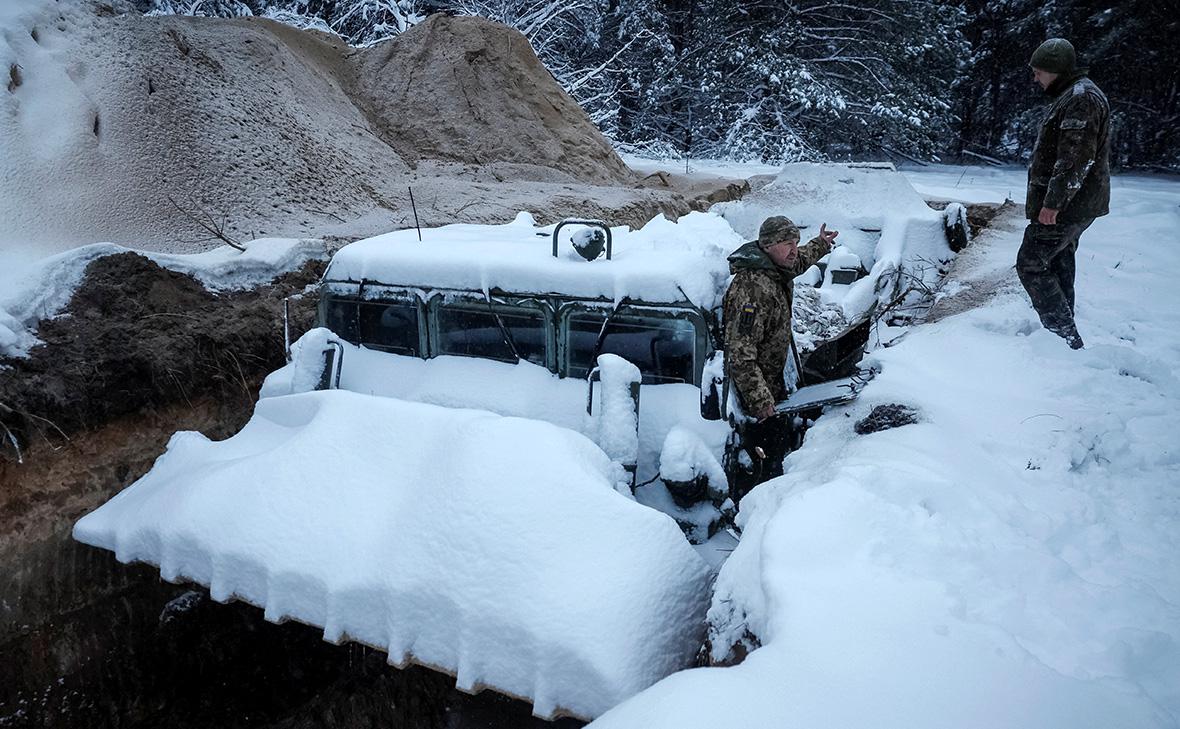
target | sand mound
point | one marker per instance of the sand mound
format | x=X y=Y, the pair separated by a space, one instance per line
x=279 y=131
x=470 y=90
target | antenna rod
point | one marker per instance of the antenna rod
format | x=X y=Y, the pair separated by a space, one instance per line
x=415 y=209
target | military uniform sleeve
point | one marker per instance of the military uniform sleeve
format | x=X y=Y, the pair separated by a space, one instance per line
x=809 y=255
x=1077 y=145
x=745 y=323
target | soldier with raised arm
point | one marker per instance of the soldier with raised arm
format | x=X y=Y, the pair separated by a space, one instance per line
x=757 y=321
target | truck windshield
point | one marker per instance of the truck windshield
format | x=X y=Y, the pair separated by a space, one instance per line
x=474 y=332
x=663 y=348
x=392 y=327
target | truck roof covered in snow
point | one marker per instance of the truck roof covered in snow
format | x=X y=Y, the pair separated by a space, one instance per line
x=663 y=262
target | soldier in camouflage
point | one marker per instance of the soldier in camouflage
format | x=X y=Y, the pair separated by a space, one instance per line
x=758 y=339
x=1068 y=184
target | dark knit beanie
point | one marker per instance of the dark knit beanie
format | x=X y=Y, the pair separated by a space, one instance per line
x=1055 y=55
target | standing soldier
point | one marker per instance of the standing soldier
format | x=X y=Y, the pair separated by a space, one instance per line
x=757 y=318
x=1068 y=184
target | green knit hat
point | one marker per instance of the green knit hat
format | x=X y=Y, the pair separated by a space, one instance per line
x=776 y=229
x=1055 y=55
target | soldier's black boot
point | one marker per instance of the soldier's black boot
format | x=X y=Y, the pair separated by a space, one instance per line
x=1067 y=330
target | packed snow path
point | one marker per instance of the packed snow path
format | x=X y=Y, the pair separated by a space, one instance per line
x=496 y=549
x=1010 y=560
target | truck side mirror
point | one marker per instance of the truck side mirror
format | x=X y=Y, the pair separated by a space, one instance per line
x=712 y=386
x=618 y=421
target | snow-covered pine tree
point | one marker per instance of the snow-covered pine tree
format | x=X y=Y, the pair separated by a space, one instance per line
x=781 y=80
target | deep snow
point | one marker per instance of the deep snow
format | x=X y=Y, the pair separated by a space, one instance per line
x=493 y=548
x=1009 y=561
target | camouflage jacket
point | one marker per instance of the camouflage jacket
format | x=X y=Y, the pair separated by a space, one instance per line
x=1070 y=168
x=756 y=315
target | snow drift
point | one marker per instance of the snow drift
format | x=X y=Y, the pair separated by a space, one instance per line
x=1008 y=561
x=492 y=548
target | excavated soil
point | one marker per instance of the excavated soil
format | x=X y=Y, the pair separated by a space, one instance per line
x=126 y=128
x=136 y=336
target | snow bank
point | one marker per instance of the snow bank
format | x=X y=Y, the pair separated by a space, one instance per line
x=32 y=290
x=662 y=262
x=1008 y=562
x=492 y=548
x=883 y=222
x=521 y=390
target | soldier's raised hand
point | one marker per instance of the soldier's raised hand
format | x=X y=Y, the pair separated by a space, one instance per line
x=827 y=236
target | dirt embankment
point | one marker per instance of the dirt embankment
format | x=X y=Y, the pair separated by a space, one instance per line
x=124 y=127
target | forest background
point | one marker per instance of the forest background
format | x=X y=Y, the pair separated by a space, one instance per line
x=789 y=80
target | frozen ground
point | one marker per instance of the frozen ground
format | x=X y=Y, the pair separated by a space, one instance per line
x=1010 y=560
x=111 y=122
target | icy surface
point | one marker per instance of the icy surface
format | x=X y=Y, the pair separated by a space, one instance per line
x=662 y=262
x=492 y=548
x=1008 y=562
x=36 y=289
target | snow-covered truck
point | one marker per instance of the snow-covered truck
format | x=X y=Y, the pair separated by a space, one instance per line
x=465 y=464
x=556 y=298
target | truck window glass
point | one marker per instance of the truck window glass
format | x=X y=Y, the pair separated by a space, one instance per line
x=340 y=317
x=389 y=326
x=474 y=332
x=664 y=349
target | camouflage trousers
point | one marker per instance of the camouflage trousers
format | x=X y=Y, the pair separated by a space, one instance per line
x=1046 y=267
x=755 y=453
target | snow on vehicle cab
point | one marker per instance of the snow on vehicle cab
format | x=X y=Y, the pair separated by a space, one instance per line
x=556 y=299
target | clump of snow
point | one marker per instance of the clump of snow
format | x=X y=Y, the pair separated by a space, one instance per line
x=814 y=318
x=685 y=457
x=493 y=548
x=663 y=262
x=33 y=290
x=1010 y=561
x=955 y=214
x=306 y=369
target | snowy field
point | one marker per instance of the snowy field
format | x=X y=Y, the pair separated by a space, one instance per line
x=1009 y=561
